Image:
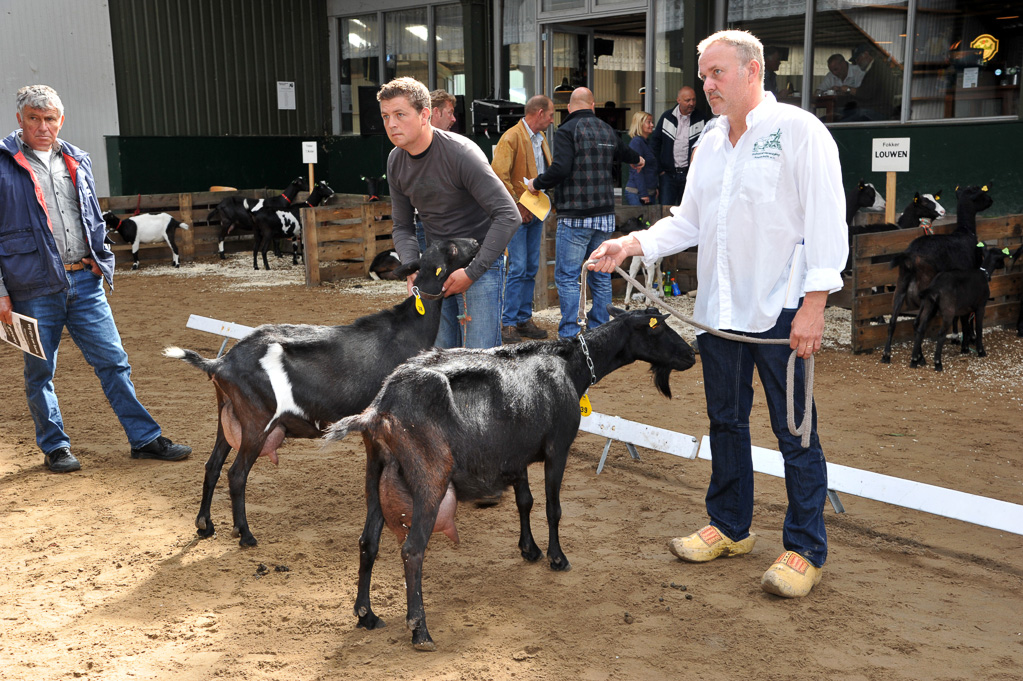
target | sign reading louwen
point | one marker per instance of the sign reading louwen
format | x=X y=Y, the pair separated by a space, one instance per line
x=890 y=154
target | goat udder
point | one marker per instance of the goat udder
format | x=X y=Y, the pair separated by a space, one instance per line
x=396 y=504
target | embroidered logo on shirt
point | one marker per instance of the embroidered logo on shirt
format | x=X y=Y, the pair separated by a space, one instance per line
x=768 y=146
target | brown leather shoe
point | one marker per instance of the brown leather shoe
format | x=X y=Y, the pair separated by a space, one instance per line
x=510 y=334
x=528 y=329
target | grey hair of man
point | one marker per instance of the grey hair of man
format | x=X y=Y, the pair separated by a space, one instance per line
x=538 y=103
x=747 y=46
x=38 y=97
x=411 y=89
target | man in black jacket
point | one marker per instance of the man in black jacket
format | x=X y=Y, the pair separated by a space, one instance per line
x=672 y=142
x=585 y=148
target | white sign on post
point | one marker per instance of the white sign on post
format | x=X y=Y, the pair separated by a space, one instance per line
x=890 y=154
x=308 y=152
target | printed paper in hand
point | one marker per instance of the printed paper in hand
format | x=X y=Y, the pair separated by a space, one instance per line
x=23 y=334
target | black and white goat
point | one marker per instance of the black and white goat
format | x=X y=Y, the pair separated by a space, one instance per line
x=959 y=294
x=147 y=228
x=465 y=424
x=274 y=224
x=236 y=212
x=864 y=196
x=931 y=254
x=285 y=380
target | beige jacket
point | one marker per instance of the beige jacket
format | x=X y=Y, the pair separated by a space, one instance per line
x=513 y=159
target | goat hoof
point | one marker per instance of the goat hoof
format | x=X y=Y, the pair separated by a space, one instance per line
x=223 y=256
x=176 y=265
x=561 y=565
x=981 y=353
x=938 y=367
x=204 y=528
x=425 y=646
x=532 y=555
x=370 y=621
x=886 y=359
x=913 y=364
x=135 y=266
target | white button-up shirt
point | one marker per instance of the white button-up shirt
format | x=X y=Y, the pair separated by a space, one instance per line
x=749 y=207
x=537 y=140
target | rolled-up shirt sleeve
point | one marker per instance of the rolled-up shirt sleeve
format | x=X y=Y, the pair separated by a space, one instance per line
x=826 y=235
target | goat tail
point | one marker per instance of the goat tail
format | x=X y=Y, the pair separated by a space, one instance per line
x=215 y=211
x=903 y=261
x=356 y=423
x=193 y=358
x=183 y=225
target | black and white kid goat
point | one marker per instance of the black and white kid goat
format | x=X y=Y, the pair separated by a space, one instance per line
x=147 y=228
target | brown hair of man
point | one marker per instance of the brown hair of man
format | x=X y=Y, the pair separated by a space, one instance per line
x=411 y=89
x=438 y=98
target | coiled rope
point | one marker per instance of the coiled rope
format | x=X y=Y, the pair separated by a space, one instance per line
x=804 y=428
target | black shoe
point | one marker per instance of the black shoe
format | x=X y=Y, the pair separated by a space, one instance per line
x=61 y=460
x=509 y=334
x=163 y=449
x=528 y=329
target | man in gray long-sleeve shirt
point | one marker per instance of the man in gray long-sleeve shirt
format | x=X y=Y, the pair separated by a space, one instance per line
x=448 y=179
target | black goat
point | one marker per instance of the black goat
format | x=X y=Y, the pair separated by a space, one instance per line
x=235 y=212
x=148 y=228
x=865 y=195
x=374 y=186
x=957 y=293
x=465 y=424
x=272 y=224
x=928 y=255
x=285 y=380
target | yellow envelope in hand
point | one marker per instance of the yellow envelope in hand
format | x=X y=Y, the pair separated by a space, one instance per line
x=538 y=204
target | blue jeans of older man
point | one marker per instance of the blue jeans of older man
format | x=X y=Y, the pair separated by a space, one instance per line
x=573 y=246
x=480 y=310
x=523 y=263
x=83 y=309
x=728 y=384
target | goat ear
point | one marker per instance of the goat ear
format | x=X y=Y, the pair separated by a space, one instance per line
x=402 y=271
x=614 y=311
x=916 y=197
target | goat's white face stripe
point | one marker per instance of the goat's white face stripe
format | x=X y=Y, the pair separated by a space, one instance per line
x=937 y=206
x=878 y=199
x=279 y=381
x=255 y=208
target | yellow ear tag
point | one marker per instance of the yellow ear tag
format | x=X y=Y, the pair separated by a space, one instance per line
x=419 y=306
x=1006 y=251
x=438 y=271
x=984 y=188
x=584 y=405
x=653 y=322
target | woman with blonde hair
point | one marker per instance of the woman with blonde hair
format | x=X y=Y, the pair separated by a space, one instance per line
x=641 y=189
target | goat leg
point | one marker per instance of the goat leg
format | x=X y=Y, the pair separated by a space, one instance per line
x=221 y=448
x=901 y=288
x=412 y=552
x=369 y=541
x=978 y=327
x=554 y=472
x=238 y=475
x=524 y=502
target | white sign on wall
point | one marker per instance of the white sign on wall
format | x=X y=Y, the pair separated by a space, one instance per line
x=286 y=95
x=890 y=154
x=308 y=152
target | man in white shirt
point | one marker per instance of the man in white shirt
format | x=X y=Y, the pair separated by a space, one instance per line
x=842 y=78
x=764 y=203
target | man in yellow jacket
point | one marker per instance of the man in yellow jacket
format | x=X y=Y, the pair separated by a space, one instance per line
x=522 y=153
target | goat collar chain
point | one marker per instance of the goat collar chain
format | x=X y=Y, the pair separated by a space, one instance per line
x=586 y=354
x=426 y=296
x=804 y=429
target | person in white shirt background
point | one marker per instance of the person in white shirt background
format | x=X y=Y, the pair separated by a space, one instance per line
x=764 y=203
x=842 y=77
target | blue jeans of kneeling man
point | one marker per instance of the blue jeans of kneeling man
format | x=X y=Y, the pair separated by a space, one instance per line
x=84 y=310
x=523 y=263
x=572 y=247
x=485 y=300
x=728 y=385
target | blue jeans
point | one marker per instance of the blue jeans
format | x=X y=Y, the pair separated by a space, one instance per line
x=631 y=198
x=523 y=262
x=672 y=186
x=420 y=236
x=728 y=385
x=572 y=247
x=484 y=299
x=83 y=309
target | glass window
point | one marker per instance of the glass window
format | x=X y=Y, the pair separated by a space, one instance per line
x=780 y=27
x=447 y=21
x=966 y=60
x=559 y=5
x=667 y=56
x=617 y=78
x=406 y=36
x=520 y=48
x=858 y=55
x=360 y=75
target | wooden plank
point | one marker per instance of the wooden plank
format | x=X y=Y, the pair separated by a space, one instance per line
x=341 y=250
x=331 y=232
x=311 y=246
x=184 y=238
